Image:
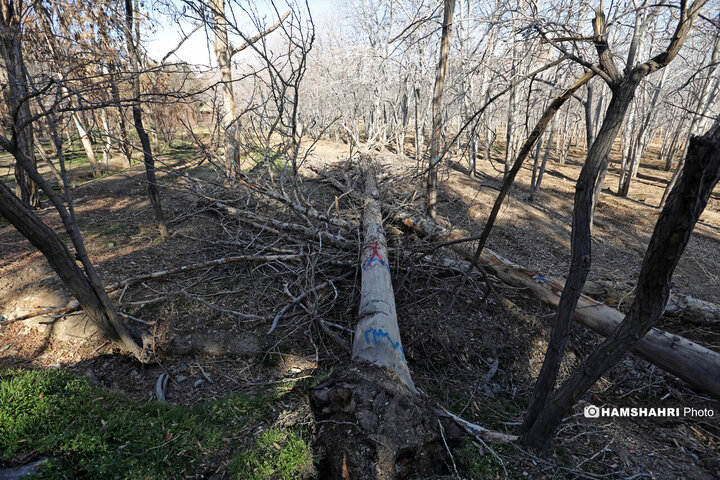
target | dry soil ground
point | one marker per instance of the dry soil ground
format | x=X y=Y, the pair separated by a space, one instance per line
x=479 y=362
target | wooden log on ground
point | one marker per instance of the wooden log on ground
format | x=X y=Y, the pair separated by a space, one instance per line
x=682 y=307
x=372 y=422
x=693 y=310
x=377 y=333
x=693 y=363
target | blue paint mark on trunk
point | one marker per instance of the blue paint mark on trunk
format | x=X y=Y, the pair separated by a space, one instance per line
x=379 y=333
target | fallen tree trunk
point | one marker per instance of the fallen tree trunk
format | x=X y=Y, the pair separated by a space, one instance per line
x=680 y=306
x=696 y=365
x=372 y=422
x=693 y=310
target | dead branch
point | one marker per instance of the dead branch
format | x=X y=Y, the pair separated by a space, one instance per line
x=300 y=297
x=74 y=306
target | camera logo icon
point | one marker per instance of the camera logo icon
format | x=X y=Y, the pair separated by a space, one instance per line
x=591 y=411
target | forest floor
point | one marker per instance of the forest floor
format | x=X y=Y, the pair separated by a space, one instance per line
x=237 y=399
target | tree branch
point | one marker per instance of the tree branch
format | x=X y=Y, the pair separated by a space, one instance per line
x=257 y=37
x=687 y=17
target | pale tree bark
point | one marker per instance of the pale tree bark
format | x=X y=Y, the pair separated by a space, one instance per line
x=87 y=144
x=223 y=57
x=538 y=171
x=377 y=335
x=436 y=139
x=46 y=158
x=590 y=127
x=510 y=113
x=467 y=84
x=668 y=154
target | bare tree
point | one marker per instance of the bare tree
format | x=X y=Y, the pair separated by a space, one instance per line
x=224 y=52
x=623 y=88
x=437 y=131
x=16 y=96
x=148 y=159
x=676 y=222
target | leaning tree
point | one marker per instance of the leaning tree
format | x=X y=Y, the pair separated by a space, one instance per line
x=623 y=86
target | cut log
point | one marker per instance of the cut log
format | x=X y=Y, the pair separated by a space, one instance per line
x=683 y=307
x=377 y=335
x=693 y=363
x=693 y=310
x=372 y=422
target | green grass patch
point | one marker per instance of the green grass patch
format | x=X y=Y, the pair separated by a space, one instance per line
x=91 y=433
x=276 y=454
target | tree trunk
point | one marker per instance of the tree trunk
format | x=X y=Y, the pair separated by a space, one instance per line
x=537 y=177
x=62 y=261
x=597 y=190
x=125 y=146
x=223 y=55
x=86 y=143
x=85 y=139
x=148 y=159
x=623 y=90
x=418 y=139
x=107 y=145
x=580 y=244
x=435 y=141
x=672 y=232
x=377 y=336
x=589 y=123
x=46 y=158
x=372 y=423
x=640 y=142
x=15 y=96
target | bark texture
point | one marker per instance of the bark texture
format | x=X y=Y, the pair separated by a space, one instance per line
x=372 y=423
x=436 y=138
x=672 y=232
